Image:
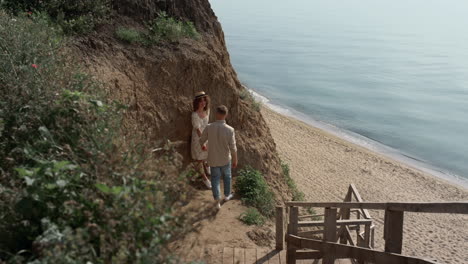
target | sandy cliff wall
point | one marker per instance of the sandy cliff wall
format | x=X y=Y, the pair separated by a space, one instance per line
x=158 y=83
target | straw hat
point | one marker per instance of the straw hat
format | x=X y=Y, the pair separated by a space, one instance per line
x=200 y=94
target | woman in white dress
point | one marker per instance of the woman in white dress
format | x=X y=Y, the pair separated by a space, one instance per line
x=200 y=119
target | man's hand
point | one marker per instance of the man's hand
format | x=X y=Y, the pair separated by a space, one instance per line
x=234 y=160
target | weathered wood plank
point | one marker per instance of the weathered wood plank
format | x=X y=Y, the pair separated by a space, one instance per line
x=292 y=229
x=250 y=256
x=330 y=232
x=239 y=256
x=345 y=213
x=274 y=257
x=358 y=198
x=262 y=255
x=345 y=251
x=442 y=207
x=279 y=227
x=228 y=255
x=310 y=233
x=360 y=205
x=338 y=222
x=367 y=234
x=309 y=254
x=283 y=257
x=393 y=231
x=348 y=236
x=309 y=216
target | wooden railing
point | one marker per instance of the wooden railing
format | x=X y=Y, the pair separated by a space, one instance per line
x=336 y=239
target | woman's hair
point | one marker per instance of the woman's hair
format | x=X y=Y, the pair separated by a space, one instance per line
x=197 y=101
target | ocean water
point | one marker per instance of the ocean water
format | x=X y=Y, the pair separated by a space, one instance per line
x=392 y=74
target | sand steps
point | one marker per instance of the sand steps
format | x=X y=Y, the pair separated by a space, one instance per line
x=229 y=255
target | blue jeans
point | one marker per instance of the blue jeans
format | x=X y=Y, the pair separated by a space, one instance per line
x=216 y=173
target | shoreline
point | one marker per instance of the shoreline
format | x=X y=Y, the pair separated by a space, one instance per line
x=365 y=142
x=323 y=165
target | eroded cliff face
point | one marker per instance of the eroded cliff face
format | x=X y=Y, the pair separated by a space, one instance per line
x=158 y=83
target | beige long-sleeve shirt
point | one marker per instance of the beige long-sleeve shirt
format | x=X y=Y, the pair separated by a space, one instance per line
x=222 y=143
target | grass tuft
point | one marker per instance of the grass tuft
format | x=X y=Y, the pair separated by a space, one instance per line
x=129 y=35
x=254 y=190
x=168 y=28
x=252 y=217
x=297 y=195
x=247 y=96
x=163 y=28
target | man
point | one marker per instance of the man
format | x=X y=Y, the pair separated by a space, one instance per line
x=222 y=153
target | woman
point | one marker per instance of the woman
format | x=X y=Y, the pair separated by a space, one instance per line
x=200 y=118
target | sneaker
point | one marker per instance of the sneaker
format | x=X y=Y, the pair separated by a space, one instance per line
x=207 y=183
x=229 y=197
x=218 y=206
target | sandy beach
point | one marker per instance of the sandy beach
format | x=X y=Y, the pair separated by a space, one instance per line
x=324 y=165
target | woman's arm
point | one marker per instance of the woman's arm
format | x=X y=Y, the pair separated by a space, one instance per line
x=196 y=123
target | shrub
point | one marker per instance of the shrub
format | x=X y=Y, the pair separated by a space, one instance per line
x=296 y=194
x=73 y=16
x=247 y=96
x=254 y=191
x=130 y=35
x=71 y=190
x=252 y=217
x=168 y=28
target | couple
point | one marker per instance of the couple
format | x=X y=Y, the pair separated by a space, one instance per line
x=216 y=157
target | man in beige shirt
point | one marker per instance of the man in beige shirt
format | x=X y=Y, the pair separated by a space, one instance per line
x=222 y=153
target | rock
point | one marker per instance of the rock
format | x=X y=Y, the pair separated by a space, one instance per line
x=158 y=83
x=262 y=236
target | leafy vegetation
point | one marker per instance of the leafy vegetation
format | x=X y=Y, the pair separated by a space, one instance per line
x=168 y=28
x=296 y=194
x=247 y=96
x=252 y=217
x=71 y=190
x=73 y=16
x=163 y=28
x=130 y=35
x=254 y=191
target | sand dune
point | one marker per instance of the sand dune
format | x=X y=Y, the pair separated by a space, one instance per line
x=324 y=165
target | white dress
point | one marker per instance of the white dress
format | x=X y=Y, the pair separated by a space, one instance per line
x=201 y=123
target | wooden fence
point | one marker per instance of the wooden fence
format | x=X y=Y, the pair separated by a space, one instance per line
x=332 y=237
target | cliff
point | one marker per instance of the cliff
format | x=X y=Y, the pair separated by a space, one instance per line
x=158 y=82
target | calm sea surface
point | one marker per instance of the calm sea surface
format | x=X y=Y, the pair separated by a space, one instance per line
x=395 y=72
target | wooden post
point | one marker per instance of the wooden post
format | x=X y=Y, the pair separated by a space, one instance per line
x=345 y=213
x=279 y=228
x=393 y=231
x=367 y=233
x=292 y=229
x=330 y=232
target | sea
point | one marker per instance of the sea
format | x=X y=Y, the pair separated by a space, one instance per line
x=388 y=75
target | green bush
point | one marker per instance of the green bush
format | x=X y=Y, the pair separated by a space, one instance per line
x=296 y=194
x=73 y=16
x=71 y=190
x=130 y=35
x=254 y=190
x=252 y=217
x=168 y=28
x=247 y=96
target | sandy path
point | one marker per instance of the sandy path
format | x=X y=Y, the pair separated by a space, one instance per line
x=323 y=166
